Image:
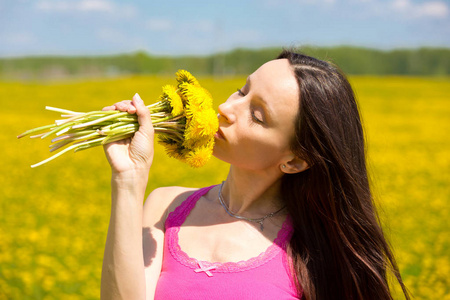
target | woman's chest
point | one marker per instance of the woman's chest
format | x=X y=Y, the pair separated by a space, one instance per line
x=209 y=234
x=229 y=242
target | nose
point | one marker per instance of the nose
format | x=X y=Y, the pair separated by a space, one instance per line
x=226 y=110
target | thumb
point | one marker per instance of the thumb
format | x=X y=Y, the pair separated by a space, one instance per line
x=144 y=118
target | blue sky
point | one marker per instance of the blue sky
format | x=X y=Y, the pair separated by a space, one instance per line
x=88 y=27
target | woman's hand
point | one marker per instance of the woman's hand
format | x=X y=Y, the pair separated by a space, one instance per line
x=134 y=154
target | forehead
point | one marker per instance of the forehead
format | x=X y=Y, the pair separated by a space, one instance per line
x=276 y=83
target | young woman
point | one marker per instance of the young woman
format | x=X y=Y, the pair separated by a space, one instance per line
x=294 y=218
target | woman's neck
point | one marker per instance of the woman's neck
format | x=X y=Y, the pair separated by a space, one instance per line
x=252 y=194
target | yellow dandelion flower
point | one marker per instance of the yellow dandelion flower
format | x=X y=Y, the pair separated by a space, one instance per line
x=184 y=76
x=170 y=94
x=207 y=93
x=204 y=123
x=201 y=128
x=200 y=121
x=196 y=98
x=194 y=142
x=198 y=157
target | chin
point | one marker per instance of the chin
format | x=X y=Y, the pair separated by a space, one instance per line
x=219 y=154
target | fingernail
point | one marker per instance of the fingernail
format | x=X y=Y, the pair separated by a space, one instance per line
x=136 y=97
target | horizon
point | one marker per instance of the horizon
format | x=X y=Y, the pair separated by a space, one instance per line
x=68 y=55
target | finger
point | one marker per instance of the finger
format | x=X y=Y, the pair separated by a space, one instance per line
x=144 y=118
x=123 y=105
x=131 y=109
x=111 y=107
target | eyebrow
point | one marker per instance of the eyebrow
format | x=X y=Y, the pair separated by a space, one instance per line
x=265 y=104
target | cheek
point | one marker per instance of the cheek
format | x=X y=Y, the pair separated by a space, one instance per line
x=252 y=148
x=264 y=150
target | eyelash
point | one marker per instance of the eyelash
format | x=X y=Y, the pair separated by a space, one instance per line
x=253 y=117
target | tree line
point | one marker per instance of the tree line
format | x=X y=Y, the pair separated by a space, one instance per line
x=352 y=60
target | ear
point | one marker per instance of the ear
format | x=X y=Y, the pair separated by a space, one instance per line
x=294 y=165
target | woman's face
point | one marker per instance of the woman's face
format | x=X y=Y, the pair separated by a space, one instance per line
x=256 y=123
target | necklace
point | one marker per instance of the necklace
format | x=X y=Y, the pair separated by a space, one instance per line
x=260 y=221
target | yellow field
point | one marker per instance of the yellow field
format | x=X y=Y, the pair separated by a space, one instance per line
x=53 y=219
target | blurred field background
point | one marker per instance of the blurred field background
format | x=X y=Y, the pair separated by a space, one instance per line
x=85 y=54
x=53 y=219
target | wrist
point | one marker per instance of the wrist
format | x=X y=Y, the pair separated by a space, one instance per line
x=133 y=180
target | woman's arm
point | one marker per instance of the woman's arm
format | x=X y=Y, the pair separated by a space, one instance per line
x=156 y=209
x=123 y=275
x=123 y=268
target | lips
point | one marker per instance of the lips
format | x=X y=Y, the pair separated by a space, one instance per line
x=219 y=134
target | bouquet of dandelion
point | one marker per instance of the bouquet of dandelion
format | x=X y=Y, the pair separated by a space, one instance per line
x=183 y=119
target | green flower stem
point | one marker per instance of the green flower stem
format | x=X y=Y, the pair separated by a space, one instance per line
x=59 y=145
x=160 y=114
x=118 y=137
x=93 y=134
x=80 y=117
x=64 y=151
x=36 y=136
x=65 y=111
x=37 y=129
x=84 y=147
x=57 y=128
x=96 y=121
x=130 y=118
x=73 y=135
x=162 y=119
x=170 y=133
x=106 y=129
x=170 y=124
x=156 y=104
x=80 y=131
x=124 y=128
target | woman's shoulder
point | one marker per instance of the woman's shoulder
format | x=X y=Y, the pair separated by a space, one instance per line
x=171 y=196
x=164 y=200
x=167 y=199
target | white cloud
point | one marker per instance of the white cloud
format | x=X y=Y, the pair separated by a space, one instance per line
x=83 y=5
x=429 y=9
x=96 y=6
x=414 y=9
x=435 y=9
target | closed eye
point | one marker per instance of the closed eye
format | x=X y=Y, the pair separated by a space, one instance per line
x=255 y=118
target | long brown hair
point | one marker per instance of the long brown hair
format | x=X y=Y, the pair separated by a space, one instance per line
x=338 y=248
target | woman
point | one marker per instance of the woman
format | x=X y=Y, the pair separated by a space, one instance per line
x=294 y=219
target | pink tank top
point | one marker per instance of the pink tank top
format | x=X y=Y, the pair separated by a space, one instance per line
x=266 y=276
